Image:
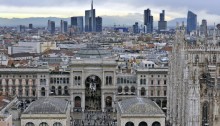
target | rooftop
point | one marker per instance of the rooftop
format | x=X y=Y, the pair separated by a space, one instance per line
x=93 y=51
x=47 y=105
x=139 y=106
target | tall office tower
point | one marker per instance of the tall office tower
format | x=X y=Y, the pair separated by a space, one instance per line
x=98 y=24
x=162 y=24
x=203 y=28
x=63 y=26
x=51 y=27
x=21 y=28
x=191 y=21
x=30 y=26
x=136 y=28
x=77 y=23
x=148 y=20
x=90 y=24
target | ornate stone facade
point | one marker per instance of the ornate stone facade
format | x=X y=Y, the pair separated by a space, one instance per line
x=193 y=84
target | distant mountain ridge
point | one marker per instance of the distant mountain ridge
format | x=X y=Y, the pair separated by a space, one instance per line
x=107 y=21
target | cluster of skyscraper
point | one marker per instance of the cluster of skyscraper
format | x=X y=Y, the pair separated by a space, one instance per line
x=149 y=23
x=92 y=23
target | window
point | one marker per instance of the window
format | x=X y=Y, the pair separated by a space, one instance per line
x=119 y=89
x=214 y=59
x=57 y=124
x=152 y=92
x=118 y=80
x=59 y=90
x=108 y=80
x=165 y=82
x=51 y=80
x=53 y=90
x=133 y=89
x=29 y=124
x=165 y=93
x=43 y=124
x=158 y=82
x=158 y=93
x=152 y=82
x=77 y=80
x=197 y=59
x=67 y=80
x=43 y=93
x=66 y=92
x=143 y=92
x=126 y=89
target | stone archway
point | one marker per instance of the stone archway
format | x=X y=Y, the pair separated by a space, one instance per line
x=93 y=93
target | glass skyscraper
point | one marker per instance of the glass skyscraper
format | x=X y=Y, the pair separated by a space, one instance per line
x=191 y=21
x=162 y=24
x=98 y=24
x=90 y=20
x=148 y=21
x=77 y=23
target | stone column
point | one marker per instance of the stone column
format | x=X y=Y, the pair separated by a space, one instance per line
x=83 y=101
x=103 y=102
x=30 y=91
x=3 y=86
x=72 y=101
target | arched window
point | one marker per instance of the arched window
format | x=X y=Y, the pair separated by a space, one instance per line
x=43 y=93
x=129 y=124
x=133 y=89
x=126 y=89
x=43 y=124
x=29 y=124
x=57 y=124
x=156 y=124
x=66 y=90
x=119 y=89
x=143 y=91
x=53 y=90
x=108 y=101
x=59 y=90
x=77 y=101
x=142 y=124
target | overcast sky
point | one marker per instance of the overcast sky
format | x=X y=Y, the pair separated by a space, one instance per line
x=205 y=9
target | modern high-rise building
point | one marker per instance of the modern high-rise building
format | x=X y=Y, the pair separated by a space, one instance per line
x=203 y=28
x=51 y=26
x=90 y=20
x=63 y=26
x=30 y=26
x=21 y=28
x=77 y=23
x=136 y=28
x=148 y=20
x=98 y=24
x=191 y=21
x=162 y=24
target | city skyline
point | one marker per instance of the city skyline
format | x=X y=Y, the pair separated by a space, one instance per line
x=53 y=8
